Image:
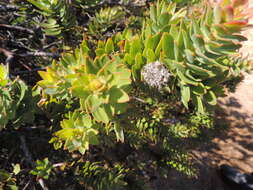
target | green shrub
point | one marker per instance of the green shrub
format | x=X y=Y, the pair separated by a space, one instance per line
x=58 y=14
x=190 y=54
x=17 y=101
x=135 y=99
x=105 y=19
x=98 y=177
x=100 y=86
x=199 y=52
x=43 y=169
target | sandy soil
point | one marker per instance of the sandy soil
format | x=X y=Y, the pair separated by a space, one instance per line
x=233 y=146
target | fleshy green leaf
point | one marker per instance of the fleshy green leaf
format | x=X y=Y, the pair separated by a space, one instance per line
x=109 y=46
x=185 y=95
x=168 y=45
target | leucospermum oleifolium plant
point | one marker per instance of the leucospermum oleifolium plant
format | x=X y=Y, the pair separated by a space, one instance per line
x=189 y=53
x=101 y=87
x=198 y=51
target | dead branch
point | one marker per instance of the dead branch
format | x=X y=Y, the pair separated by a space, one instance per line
x=27 y=153
x=42 y=184
x=40 y=54
x=138 y=99
x=29 y=159
x=27 y=72
x=50 y=45
x=8 y=8
x=17 y=44
x=58 y=165
x=16 y=28
x=8 y=54
x=26 y=186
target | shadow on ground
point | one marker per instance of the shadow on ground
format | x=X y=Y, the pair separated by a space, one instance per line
x=232 y=145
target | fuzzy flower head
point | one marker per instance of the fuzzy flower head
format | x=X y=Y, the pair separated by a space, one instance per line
x=155 y=74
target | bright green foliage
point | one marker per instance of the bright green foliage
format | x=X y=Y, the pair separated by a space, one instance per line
x=192 y=127
x=3 y=76
x=184 y=131
x=58 y=15
x=98 y=177
x=100 y=86
x=17 y=101
x=201 y=120
x=43 y=169
x=78 y=132
x=117 y=129
x=197 y=51
x=200 y=53
x=114 y=44
x=104 y=19
x=181 y=165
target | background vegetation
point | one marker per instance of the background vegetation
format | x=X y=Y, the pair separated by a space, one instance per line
x=111 y=94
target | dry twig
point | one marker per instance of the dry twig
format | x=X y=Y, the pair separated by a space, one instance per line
x=29 y=159
x=17 y=28
x=40 y=54
x=8 y=54
x=8 y=8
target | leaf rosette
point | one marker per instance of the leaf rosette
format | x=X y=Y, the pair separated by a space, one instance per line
x=101 y=85
x=78 y=132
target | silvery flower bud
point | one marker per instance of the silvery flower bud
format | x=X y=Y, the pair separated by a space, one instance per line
x=155 y=74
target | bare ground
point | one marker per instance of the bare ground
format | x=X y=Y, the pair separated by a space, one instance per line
x=233 y=146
